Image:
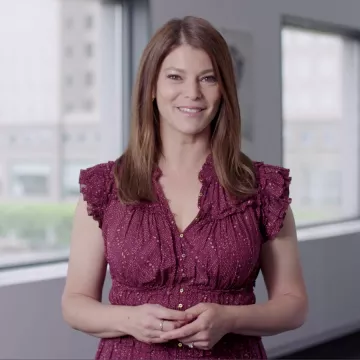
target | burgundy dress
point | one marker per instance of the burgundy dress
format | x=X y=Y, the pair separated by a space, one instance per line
x=216 y=259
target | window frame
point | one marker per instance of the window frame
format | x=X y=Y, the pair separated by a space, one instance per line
x=136 y=30
x=310 y=24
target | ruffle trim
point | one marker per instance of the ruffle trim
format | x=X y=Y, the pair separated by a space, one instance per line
x=97 y=185
x=273 y=192
x=234 y=207
x=206 y=174
x=270 y=202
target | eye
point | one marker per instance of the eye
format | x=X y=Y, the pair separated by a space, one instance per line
x=209 y=79
x=174 y=77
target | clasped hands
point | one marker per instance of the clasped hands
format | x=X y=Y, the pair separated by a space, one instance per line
x=200 y=326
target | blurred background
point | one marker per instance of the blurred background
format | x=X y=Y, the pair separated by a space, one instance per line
x=66 y=73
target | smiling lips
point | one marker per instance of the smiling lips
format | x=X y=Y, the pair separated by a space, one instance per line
x=190 y=110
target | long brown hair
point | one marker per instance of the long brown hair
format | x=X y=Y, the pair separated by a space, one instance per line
x=133 y=171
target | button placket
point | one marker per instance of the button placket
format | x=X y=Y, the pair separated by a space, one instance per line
x=182 y=258
x=180 y=307
x=182 y=255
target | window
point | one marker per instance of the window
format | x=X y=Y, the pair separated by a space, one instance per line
x=30 y=180
x=81 y=137
x=69 y=23
x=306 y=137
x=89 y=50
x=332 y=188
x=69 y=51
x=66 y=137
x=71 y=177
x=89 y=78
x=69 y=107
x=52 y=124
x=89 y=22
x=320 y=77
x=88 y=105
x=1 y=179
x=69 y=80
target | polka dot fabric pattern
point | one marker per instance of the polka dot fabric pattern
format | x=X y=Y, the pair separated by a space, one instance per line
x=215 y=259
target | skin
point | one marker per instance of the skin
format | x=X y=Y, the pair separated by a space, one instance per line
x=186 y=79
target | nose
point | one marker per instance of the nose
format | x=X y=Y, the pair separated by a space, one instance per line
x=192 y=90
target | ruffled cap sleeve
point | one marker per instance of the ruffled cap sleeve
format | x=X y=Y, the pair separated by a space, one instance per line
x=273 y=192
x=97 y=188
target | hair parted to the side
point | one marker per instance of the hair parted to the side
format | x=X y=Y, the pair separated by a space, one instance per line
x=133 y=171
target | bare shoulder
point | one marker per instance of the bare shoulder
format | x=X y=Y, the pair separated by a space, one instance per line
x=87 y=264
x=280 y=261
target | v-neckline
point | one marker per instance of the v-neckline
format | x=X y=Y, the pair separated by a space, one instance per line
x=204 y=180
x=170 y=214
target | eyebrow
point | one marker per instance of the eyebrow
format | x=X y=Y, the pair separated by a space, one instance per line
x=182 y=71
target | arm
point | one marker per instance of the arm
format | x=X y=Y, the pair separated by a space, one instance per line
x=81 y=301
x=287 y=306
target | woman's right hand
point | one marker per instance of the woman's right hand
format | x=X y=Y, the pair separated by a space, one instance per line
x=147 y=322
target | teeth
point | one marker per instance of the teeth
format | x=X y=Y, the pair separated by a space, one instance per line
x=189 y=110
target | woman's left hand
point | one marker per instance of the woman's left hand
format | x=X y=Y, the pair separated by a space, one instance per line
x=211 y=324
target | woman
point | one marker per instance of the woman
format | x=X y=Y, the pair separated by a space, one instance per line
x=184 y=220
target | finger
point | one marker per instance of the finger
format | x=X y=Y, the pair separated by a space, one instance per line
x=153 y=339
x=168 y=314
x=192 y=339
x=182 y=323
x=183 y=332
x=162 y=325
x=171 y=325
x=196 y=310
x=156 y=341
x=202 y=345
x=155 y=334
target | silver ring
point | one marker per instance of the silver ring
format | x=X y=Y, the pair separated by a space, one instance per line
x=191 y=346
x=162 y=325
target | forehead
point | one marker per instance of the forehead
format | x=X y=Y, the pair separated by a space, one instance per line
x=187 y=57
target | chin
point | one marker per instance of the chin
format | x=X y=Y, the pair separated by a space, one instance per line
x=187 y=128
x=190 y=130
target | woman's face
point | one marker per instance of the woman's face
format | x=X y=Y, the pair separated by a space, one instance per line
x=187 y=91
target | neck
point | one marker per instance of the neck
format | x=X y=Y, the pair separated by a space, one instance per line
x=181 y=152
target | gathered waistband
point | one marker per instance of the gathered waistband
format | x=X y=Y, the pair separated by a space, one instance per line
x=183 y=295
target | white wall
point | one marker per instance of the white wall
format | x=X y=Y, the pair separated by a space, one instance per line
x=30 y=319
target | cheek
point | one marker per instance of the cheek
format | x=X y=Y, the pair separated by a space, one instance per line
x=215 y=101
x=167 y=92
x=212 y=95
x=165 y=99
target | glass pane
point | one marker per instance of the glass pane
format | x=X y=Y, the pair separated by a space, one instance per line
x=320 y=115
x=50 y=120
x=71 y=176
x=30 y=179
